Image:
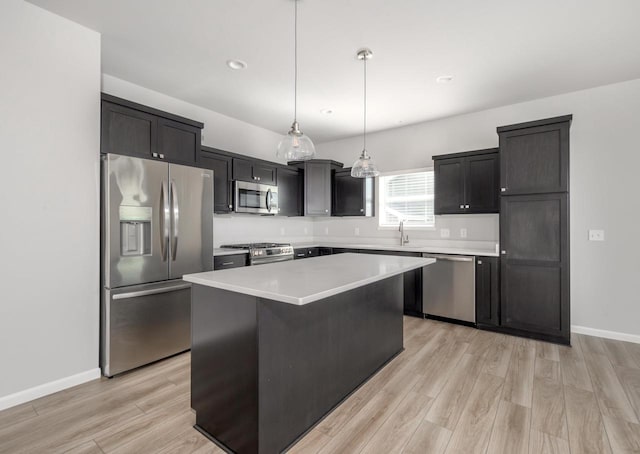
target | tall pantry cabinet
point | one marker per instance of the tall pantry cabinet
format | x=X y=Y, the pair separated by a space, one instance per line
x=534 y=229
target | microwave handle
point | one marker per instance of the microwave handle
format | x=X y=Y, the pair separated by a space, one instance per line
x=269 y=200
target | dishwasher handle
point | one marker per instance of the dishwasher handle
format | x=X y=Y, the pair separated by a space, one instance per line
x=451 y=258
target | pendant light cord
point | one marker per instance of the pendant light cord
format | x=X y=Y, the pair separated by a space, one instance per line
x=295 y=59
x=364 y=138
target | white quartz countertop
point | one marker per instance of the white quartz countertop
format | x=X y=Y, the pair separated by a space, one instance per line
x=302 y=282
x=228 y=251
x=408 y=248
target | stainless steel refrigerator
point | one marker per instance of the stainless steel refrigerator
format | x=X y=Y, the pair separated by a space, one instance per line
x=157 y=225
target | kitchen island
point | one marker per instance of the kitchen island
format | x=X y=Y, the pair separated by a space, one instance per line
x=276 y=347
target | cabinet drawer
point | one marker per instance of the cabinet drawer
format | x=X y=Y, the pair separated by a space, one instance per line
x=223 y=262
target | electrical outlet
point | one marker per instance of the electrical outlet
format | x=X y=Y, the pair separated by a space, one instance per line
x=356 y=231
x=463 y=233
x=445 y=233
x=326 y=230
x=596 y=235
x=282 y=231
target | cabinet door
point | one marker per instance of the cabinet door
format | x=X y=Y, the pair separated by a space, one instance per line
x=128 y=131
x=317 y=189
x=449 y=186
x=482 y=183
x=178 y=142
x=535 y=264
x=348 y=195
x=221 y=166
x=242 y=170
x=290 y=189
x=535 y=160
x=353 y=196
x=263 y=173
x=487 y=291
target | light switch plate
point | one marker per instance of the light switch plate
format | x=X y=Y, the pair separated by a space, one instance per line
x=445 y=233
x=463 y=233
x=596 y=235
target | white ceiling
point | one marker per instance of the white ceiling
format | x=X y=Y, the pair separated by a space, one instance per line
x=499 y=51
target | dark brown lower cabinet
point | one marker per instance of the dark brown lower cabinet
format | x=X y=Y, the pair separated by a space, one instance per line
x=412 y=282
x=487 y=292
x=534 y=239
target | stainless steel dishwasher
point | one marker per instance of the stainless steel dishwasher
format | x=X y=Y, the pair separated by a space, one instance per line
x=449 y=287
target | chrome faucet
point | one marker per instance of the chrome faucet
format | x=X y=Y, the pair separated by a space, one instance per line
x=403 y=239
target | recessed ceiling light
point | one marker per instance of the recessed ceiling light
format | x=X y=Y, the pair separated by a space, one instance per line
x=236 y=64
x=444 y=79
x=327 y=111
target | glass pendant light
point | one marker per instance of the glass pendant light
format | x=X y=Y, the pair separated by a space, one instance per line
x=364 y=166
x=295 y=146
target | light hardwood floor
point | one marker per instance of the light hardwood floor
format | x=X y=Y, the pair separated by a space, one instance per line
x=453 y=390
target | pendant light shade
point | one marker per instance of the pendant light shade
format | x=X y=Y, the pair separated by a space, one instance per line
x=295 y=146
x=364 y=166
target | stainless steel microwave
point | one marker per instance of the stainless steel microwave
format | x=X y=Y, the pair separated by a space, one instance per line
x=255 y=198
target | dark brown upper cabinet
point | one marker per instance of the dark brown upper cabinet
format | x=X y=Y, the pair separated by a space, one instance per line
x=178 y=142
x=535 y=157
x=220 y=163
x=254 y=171
x=467 y=183
x=132 y=129
x=318 y=185
x=353 y=196
x=290 y=192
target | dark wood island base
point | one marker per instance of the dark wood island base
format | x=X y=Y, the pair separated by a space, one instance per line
x=264 y=372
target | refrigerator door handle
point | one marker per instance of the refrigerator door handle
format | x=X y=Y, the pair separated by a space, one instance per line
x=175 y=212
x=156 y=291
x=164 y=220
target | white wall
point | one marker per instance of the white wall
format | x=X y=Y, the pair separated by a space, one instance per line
x=49 y=193
x=605 y=158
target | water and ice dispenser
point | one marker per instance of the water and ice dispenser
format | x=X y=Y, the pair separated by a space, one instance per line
x=135 y=230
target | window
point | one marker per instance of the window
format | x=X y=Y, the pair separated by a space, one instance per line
x=408 y=197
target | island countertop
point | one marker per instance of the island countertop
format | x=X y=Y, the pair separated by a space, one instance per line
x=302 y=282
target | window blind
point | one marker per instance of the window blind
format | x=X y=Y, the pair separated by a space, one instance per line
x=407 y=197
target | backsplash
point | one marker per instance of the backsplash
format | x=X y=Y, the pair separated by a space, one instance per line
x=247 y=228
x=482 y=231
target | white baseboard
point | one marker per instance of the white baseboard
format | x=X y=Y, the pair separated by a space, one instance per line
x=606 y=334
x=48 y=388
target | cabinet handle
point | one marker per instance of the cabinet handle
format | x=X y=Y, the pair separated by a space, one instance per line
x=479 y=262
x=300 y=255
x=503 y=252
x=227 y=263
x=503 y=189
x=161 y=156
x=466 y=206
x=462 y=207
x=155 y=155
x=361 y=210
x=231 y=207
x=326 y=211
x=258 y=178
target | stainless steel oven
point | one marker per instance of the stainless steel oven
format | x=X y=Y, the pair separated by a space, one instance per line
x=255 y=198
